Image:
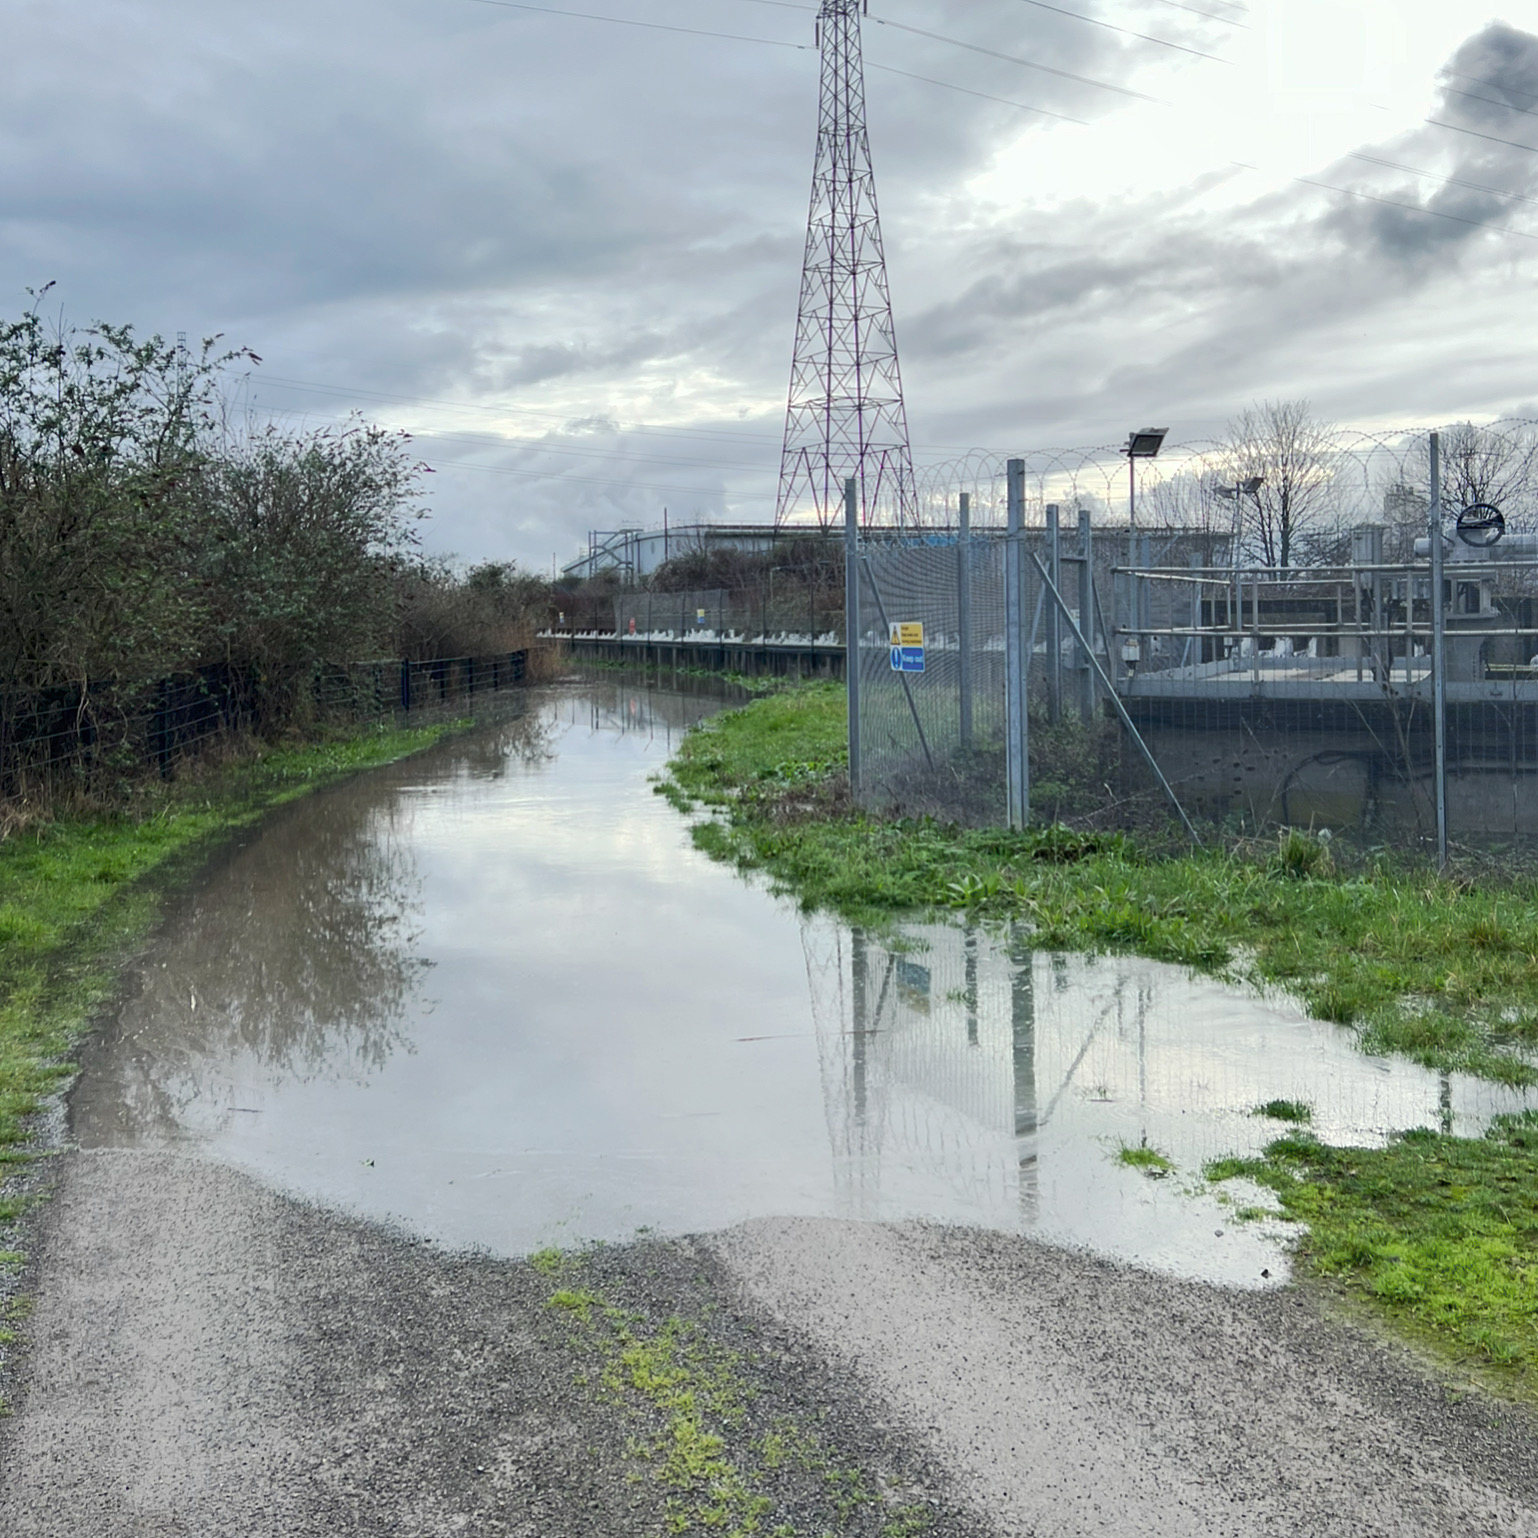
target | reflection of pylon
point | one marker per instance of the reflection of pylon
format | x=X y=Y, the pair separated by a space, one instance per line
x=846 y=415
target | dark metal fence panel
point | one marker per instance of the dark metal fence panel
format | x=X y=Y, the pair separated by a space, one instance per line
x=94 y=735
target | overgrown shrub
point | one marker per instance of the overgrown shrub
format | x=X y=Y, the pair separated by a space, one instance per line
x=163 y=565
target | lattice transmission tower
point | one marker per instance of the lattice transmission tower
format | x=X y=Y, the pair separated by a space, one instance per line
x=846 y=415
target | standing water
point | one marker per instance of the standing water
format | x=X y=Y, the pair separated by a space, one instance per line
x=494 y=995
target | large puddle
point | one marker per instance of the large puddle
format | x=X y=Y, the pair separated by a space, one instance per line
x=494 y=995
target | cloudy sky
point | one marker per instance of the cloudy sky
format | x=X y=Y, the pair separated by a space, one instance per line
x=564 y=252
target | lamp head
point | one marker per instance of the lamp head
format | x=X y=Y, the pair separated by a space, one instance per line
x=1251 y=486
x=1146 y=443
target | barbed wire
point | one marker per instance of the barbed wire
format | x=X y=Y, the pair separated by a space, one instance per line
x=1362 y=473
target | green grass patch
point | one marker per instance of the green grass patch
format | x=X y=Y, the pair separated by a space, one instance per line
x=1295 y=1111
x=1142 y=1157
x=1439 y=971
x=78 y=893
x=1439 y=1232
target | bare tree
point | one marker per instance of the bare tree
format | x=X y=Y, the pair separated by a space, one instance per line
x=1497 y=465
x=1187 y=500
x=1293 y=454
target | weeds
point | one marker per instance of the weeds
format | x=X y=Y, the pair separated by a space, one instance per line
x=1142 y=1157
x=1286 y=1110
x=1440 y=1232
x=693 y=1403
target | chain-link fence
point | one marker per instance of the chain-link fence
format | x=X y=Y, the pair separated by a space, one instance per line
x=1103 y=676
x=940 y=641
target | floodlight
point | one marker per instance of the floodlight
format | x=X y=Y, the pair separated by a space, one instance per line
x=1251 y=486
x=1146 y=444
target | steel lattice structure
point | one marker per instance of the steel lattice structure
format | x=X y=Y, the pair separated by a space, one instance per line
x=845 y=416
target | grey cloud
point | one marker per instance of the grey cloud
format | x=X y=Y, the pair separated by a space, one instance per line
x=433 y=199
x=1489 y=85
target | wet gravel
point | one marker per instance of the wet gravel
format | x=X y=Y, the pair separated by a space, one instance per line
x=209 y=1358
x=1072 y=1396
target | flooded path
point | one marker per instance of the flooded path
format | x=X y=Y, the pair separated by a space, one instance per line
x=493 y=995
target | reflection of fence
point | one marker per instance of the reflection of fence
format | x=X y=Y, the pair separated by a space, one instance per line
x=967 y=1077
x=95 y=733
x=1096 y=676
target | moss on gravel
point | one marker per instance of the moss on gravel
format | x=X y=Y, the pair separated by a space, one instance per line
x=720 y=1458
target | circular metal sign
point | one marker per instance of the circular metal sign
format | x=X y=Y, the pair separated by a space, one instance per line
x=1481 y=525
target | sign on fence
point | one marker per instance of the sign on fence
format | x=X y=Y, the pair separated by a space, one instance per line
x=907 y=647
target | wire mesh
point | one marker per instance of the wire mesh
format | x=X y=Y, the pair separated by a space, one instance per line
x=1276 y=668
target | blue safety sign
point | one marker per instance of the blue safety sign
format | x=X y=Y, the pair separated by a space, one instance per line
x=907 y=640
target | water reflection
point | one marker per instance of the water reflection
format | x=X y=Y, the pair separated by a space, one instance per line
x=494 y=993
x=967 y=1074
x=295 y=961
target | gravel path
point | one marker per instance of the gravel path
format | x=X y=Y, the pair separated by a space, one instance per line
x=1074 y=1397
x=207 y=1358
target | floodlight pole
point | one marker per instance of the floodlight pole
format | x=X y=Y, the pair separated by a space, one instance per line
x=1438 y=651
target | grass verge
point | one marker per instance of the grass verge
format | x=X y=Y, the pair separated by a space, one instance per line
x=78 y=893
x=1440 y=1233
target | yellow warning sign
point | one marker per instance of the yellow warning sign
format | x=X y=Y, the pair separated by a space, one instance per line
x=908 y=633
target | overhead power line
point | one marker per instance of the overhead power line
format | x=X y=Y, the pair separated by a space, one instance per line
x=1009 y=58
x=1415 y=208
x=888 y=69
x=1109 y=26
x=1210 y=15
x=789 y=5
x=1436 y=176
x=1499 y=85
x=1474 y=96
x=650 y=26
x=1474 y=133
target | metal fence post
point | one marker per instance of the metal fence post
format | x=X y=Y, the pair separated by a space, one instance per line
x=964 y=617
x=1054 y=622
x=852 y=626
x=1016 y=662
x=1143 y=598
x=1086 y=616
x=1438 y=650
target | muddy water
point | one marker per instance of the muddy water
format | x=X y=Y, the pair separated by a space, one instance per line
x=494 y=995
